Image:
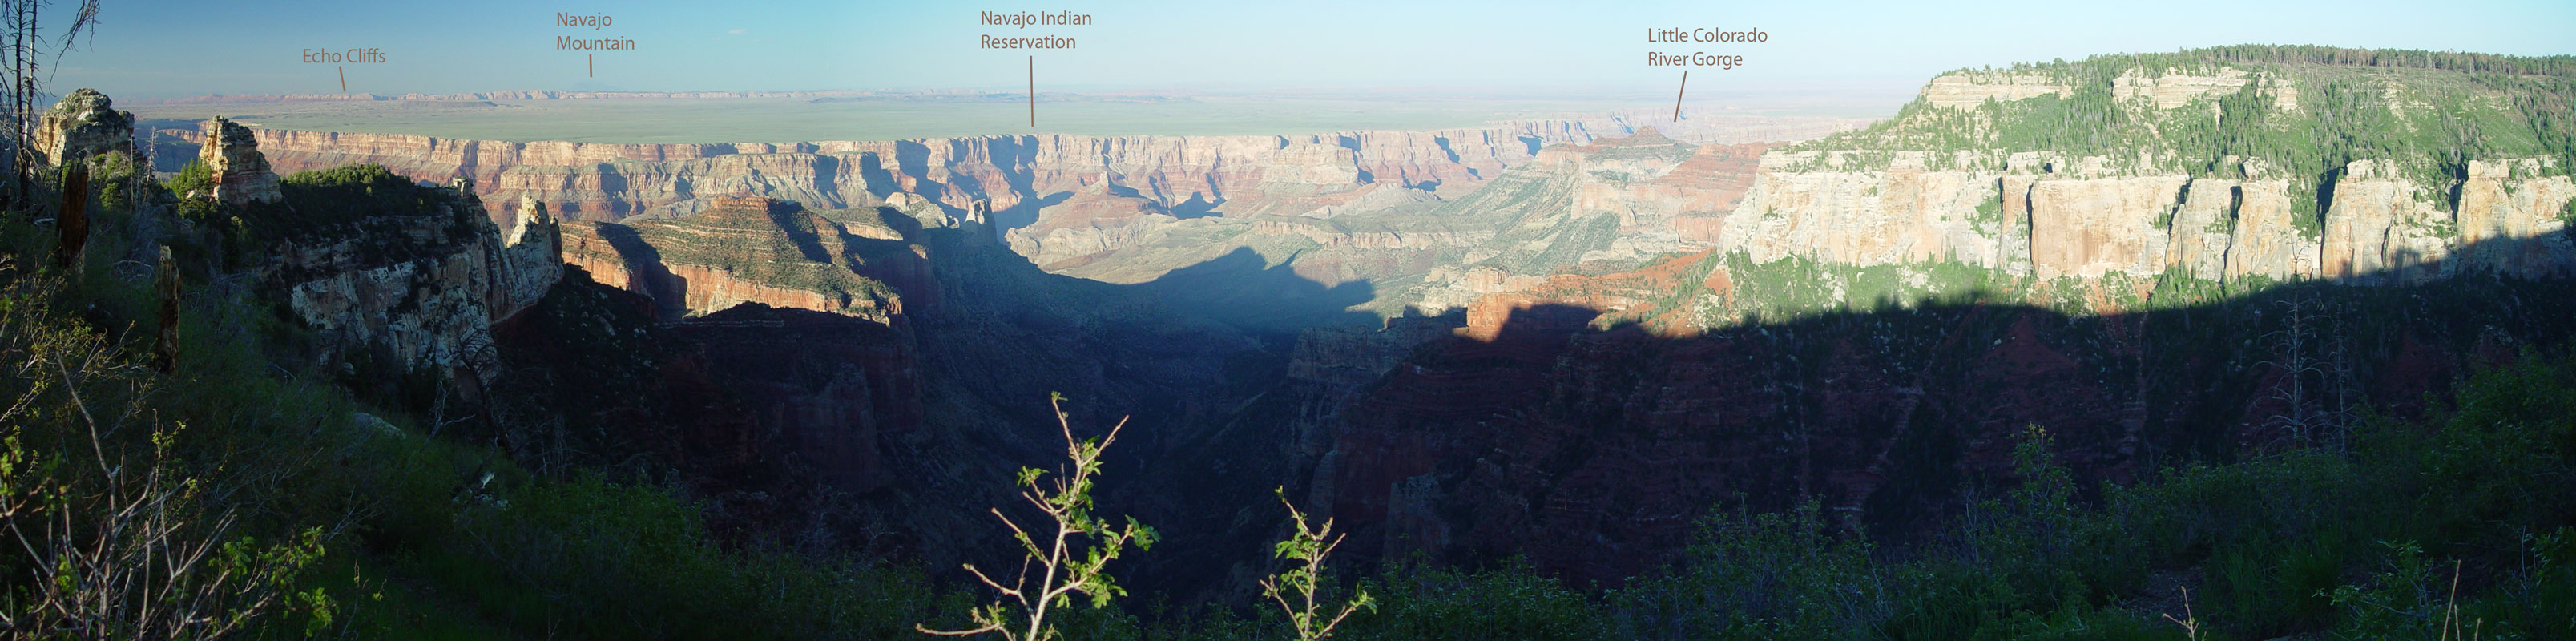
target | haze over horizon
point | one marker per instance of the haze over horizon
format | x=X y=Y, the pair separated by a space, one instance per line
x=164 y=49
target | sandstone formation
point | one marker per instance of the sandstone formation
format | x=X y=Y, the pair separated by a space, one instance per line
x=2048 y=215
x=1612 y=204
x=603 y=181
x=744 y=250
x=422 y=289
x=2173 y=88
x=1549 y=428
x=241 y=173
x=2504 y=216
x=533 y=243
x=82 y=125
x=1966 y=90
x=1100 y=218
x=2048 y=219
x=1123 y=209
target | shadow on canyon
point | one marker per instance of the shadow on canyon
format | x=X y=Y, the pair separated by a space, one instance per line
x=1591 y=450
x=1241 y=288
x=1594 y=452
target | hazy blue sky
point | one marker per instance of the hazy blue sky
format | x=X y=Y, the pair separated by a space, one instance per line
x=163 y=48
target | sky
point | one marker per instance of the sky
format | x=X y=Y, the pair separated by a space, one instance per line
x=147 y=49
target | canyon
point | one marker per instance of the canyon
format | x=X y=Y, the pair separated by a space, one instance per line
x=1560 y=340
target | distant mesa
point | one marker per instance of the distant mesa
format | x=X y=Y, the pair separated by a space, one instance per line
x=219 y=99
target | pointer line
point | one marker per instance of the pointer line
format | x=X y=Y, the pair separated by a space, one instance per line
x=1677 y=96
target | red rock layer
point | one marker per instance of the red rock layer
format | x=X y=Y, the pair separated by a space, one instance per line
x=605 y=181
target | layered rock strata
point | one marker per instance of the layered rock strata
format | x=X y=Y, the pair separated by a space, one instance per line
x=424 y=290
x=84 y=124
x=1606 y=206
x=241 y=172
x=603 y=181
x=745 y=250
x=2046 y=218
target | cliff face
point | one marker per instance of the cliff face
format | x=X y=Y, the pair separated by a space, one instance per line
x=1549 y=426
x=84 y=124
x=600 y=181
x=241 y=172
x=830 y=392
x=2194 y=162
x=2039 y=218
x=1596 y=453
x=775 y=416
x=1968 y=89
x=423 y=289
x=2507 y=200
x=1131 y=209
x=1607 y=206
x=746 y=250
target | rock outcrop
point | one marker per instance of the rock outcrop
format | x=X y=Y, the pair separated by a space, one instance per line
x=1606 y=206
x=2042 y=217
x=1967 y=90
x=2509 y=200
x=1102 y=217
x=1874 y=197
x=744 y=250
x=241 y=172
x=605 y=181
x=82 y=125
x=532 y=251
x=417 y=289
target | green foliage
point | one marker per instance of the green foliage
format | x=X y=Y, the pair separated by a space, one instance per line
x=1422 y=602
x=2288 y=544
x=1075 y=556
x=1296 y=588
x=1799 y=287
x=2426 y=113
x=123 y=533
x=1990 y=213
x=193 y=178
x=305 y=516
x=792 y=250
x=320 y=202
x=1761 y=576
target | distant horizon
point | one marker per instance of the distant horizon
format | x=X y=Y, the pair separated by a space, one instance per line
x=1317 y=92
x=797 y=118
x=166 y=49
x=1461 y=92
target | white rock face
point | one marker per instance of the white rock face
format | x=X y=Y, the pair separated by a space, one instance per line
x=2062 y=219
x=431 y=304
x=2381 y=222
x=2174 y=88
x=1864 y=217
x=2503 y=205
x=531 y=257
x=241 y=173
x=2089 y=227
x=1967 y=90
x=82 y=125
